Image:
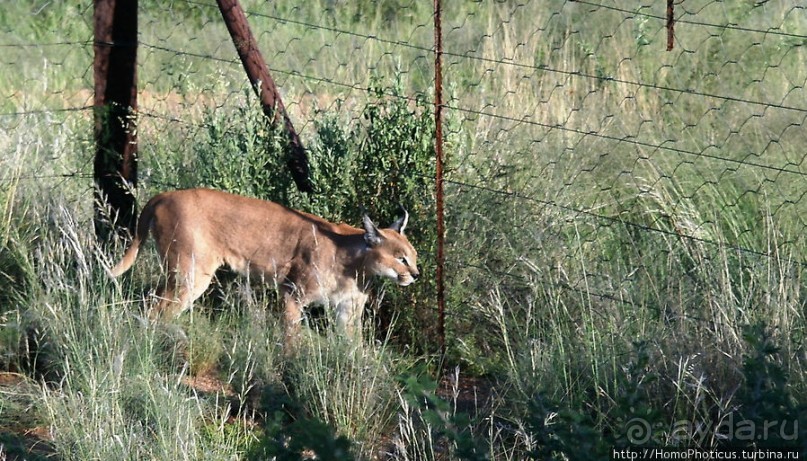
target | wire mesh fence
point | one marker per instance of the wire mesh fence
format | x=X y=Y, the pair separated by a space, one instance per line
x=596 y=171
x=582 y=156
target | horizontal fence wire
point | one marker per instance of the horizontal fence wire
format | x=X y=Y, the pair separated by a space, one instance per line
x=594 y=153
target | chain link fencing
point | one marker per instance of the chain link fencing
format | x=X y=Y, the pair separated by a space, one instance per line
x=587 y=167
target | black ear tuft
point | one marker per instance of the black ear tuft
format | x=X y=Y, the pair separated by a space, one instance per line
x=371 y=234
x=400 y=224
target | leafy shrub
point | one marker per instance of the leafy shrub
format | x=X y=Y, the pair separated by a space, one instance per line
x=765 y=401
x=293 y=441
x=242 y=153
x=378 y=162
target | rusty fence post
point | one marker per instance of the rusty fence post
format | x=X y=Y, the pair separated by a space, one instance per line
x=115 y=110
x=264 y=85
x=438 y=148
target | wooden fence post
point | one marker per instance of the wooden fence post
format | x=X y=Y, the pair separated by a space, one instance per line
x=115 y=108
x=264 y=85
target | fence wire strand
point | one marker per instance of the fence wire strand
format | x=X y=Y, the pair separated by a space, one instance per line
x=566 y=118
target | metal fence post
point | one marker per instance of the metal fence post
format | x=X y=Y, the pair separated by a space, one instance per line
x=438 y=147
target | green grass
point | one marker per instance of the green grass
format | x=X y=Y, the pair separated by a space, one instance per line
x=625 y=232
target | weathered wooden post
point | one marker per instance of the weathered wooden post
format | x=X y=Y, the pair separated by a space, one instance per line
x=264 y=85
x=115 y=109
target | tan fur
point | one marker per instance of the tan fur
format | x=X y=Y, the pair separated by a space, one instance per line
x=311 y=260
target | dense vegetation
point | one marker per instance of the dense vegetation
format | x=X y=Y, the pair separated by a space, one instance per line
x=626 y=250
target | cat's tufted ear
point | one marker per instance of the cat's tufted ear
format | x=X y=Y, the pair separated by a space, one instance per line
x=400 y=224
x=371 y=234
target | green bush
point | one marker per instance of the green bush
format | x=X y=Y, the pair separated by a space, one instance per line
x=297 y=440
x=768 y=410
x=378 y=162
